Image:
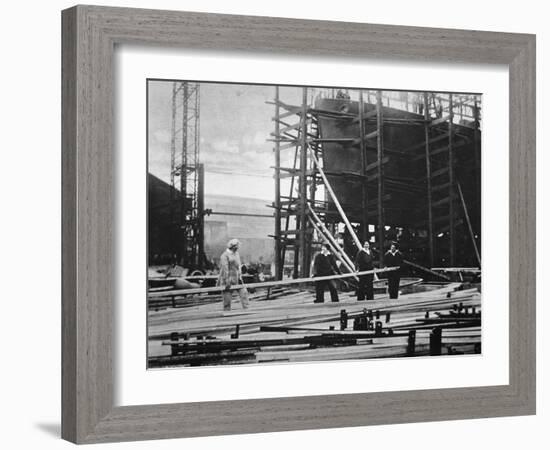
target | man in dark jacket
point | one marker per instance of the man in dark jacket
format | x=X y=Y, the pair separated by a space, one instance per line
x=363 y=261
x=324 y=265
x=393 y=258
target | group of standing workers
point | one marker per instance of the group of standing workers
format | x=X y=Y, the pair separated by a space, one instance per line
x=324 y=265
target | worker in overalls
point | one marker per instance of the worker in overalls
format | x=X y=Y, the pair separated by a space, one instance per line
x=230 y=274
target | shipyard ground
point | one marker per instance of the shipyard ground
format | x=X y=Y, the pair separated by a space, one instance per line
x=286 y=326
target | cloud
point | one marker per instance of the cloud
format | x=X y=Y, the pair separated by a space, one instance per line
x=225 y=146
x=162 y=136
x=235 y=123
x=260 y=139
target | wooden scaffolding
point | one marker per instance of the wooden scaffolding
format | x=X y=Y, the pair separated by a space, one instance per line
x=443 y=180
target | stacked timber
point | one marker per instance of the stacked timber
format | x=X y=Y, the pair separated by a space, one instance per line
x=289 y=327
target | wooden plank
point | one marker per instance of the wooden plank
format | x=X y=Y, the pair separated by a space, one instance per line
x=268 y=283
x=336 y=202
x=290 y=144
x=427 y=155
x=380 y=175
x=457 y=223
x=302 y=308
x=425 y=269
x=364 y=162
x=441 y=202
x=278 y=263
x=350 y=332
x=292 y=175
x=334 y=249
x=333 y=140
x=365 y=116
x=329 y=236
x=294 y=126
x=443 y=119
x=472 y=237
x=443 y=149
x=375 y=164
x=371 y=135
x=422 y=144
x=458 y=269
x=291 y=108
x=285 y=232
x=440 y=187
x=441 y=171
x=301 y=251
x=284 y=115
x=310 y=314
x=451 y=196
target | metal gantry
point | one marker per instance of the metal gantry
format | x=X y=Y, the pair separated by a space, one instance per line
x=186 y=176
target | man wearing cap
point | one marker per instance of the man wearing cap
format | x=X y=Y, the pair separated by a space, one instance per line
x=393 y=258
x=324 y=265
x=230 y=274
x=363 y=262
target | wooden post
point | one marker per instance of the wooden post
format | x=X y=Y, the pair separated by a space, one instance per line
x=336 y=202
x=435 y=341
x=469 y=224
x=236 y=334
x=428 y=179
x=296 y=261
x=411 y=343
x=364 y=162
x=278 y=242
x=173 y=173
x=329 y=236
x=287 y=220
x=343 y=319
x=302 y=217
x=380 y=157
x=451 y=186
x=334 y=247
x=312 y=192
x=477 y=165
x=200 y=214
x=183 y=177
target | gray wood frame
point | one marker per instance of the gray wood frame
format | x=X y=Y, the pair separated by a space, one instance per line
x=89 y=36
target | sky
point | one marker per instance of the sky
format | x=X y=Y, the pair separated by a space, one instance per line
x=235 y=125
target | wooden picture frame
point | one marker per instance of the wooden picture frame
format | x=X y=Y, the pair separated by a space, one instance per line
x=89 y=37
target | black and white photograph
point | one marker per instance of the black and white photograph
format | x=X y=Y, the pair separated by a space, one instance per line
x=292 y=224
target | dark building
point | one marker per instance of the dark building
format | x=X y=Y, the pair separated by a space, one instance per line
x=226 y=217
